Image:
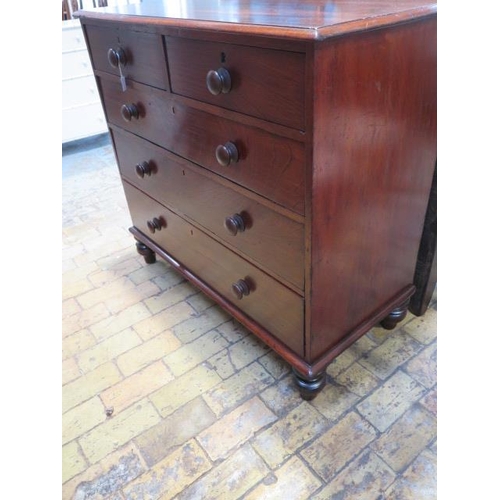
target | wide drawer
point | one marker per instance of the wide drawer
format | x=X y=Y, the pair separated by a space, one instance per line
x=265 y=83
x=144 y=54
x=268 y=164
x=275 y=241
x=272 y=305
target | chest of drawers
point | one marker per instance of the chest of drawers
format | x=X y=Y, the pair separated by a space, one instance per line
x=278 y=155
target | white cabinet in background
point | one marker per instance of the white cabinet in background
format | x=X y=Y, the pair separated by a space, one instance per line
x=82 y=113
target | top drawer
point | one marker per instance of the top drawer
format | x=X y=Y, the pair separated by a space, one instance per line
x=143 y=54
x=264 y=83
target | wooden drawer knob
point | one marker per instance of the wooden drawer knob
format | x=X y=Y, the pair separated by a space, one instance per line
x=129 y=111
x=234 y=224
x=142 y=169
x=117 y=57
x=226 y=154
x=219 y=81
x=240 y=289
x=156 y=224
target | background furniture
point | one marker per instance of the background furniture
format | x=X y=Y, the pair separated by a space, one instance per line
x=82 y=113
x=425 y=278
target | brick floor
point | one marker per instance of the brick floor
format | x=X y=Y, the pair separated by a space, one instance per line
x=165 y=396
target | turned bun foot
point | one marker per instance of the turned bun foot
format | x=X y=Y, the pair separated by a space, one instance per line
x=146 y=252
x=395 y=316
x=309 y=388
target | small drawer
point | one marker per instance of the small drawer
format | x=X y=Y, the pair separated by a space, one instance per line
x=268 y=164
x=265 y=83
x=272 y=305
x=141 y=54
x=273 y=240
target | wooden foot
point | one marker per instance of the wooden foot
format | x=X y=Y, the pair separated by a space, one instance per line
x=146 y=252
x=395 y=316
x=309 y=388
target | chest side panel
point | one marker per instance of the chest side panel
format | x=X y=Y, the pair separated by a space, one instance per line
x=373 y=161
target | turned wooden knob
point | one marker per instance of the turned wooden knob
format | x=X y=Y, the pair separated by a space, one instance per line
x=234 y=224
x=129 y=111
x=219 y=81
x=226 y=154
x=155 y=224
x=142 y=169
x=240 y=289
x=117 y=57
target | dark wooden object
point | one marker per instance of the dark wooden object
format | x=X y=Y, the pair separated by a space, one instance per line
x=309 y=385
x=281 y=158
x=146 y=252
x=426 y=269
x=217 y=207
x=270 y=303
x=260 y=83
x=268 y=164
x=395 y=316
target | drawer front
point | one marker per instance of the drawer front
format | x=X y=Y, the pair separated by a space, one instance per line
x=83 y=121
x=76 y=64
x=78 y=91
x=144 y=54
x=264 y=83
x=270 y=165
x=272 y=305
x=275 y=241
x=72 y=38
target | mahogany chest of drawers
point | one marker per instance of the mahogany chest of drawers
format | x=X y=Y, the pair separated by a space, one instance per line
x=278 y=154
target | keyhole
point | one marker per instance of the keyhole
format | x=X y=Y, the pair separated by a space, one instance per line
x=222 y=57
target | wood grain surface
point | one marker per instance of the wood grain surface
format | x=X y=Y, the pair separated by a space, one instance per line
x=270 y=165
x=308 y=19
x=144 y=52
x=220 y=268
x=318 y=156
x=374 y=155
x=276 y=242
x=265 y=83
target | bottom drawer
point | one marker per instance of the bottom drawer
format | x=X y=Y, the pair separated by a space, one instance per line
x=276 y=308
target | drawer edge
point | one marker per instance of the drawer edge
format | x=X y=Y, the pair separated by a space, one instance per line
x=268 y=338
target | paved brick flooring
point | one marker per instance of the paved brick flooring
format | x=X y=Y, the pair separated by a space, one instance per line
x=164 y=396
